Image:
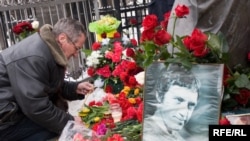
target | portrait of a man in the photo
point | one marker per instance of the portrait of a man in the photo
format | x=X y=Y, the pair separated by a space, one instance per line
x=173 y=97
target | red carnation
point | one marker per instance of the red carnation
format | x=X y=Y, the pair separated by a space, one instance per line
x=104 y=71
x=96 y=46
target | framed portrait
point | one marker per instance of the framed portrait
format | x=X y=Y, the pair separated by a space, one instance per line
x=180 y=103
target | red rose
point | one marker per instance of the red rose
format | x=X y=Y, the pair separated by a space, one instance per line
x=243 y=97
x=196 y=43
x=181 y=11
x=22 y=27
x=164 y=23
x=96 y=46
x=200 y=52
x=162 y=37
x=133 y=42
x=17 y=30
x=186 y=42
x=91 y=71
x=150 y=22
x=147 y=35
x=130 y=52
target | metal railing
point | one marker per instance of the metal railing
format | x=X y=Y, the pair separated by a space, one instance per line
x=86 y=11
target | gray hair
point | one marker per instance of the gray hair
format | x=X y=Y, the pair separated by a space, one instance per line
x=175 y=75
x=73 y=28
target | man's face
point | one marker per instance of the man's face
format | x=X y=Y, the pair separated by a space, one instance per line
x=71 y=48
x=177 y=106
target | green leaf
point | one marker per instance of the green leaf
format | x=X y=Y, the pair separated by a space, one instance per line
x=148 y=61
x=149 y=48
x=242 y=81
x=182 y=61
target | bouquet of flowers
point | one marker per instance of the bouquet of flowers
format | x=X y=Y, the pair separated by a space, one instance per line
x=113 y=60
x=199 y=47
x=24 y=29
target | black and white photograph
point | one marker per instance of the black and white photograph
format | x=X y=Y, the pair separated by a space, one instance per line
x=180 y=103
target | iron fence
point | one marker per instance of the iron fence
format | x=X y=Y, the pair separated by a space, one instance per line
x=86 y=11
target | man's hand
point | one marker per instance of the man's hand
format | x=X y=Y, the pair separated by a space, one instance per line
x=84 y=88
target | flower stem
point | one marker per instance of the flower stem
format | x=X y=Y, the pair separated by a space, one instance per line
x=175 y=19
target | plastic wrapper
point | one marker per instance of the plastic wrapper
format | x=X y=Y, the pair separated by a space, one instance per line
x=74 y=131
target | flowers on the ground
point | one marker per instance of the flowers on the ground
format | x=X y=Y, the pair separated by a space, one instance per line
x=99 y=116
x=25 y=28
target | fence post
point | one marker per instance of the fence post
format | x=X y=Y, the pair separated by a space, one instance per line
x=118 y=12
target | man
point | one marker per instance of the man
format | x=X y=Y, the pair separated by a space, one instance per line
x=32 y=82
x=176 y=94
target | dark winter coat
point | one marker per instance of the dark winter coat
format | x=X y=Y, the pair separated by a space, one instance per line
x=32 y=82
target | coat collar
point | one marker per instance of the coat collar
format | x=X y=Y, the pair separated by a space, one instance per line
x=49 y=38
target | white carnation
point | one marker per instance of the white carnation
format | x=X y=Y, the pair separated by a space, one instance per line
x=93 y=59
x=140 y=77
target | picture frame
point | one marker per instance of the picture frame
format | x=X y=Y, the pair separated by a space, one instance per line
x=204 y=106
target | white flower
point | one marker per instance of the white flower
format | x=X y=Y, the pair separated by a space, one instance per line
x=140 y=77
x=93 y=59
x=35 y=24
x=125 y=40
x=105 y=41
x=98 y=83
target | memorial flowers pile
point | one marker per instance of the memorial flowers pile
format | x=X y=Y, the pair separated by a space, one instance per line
x=25 y=28
x=113 y=64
